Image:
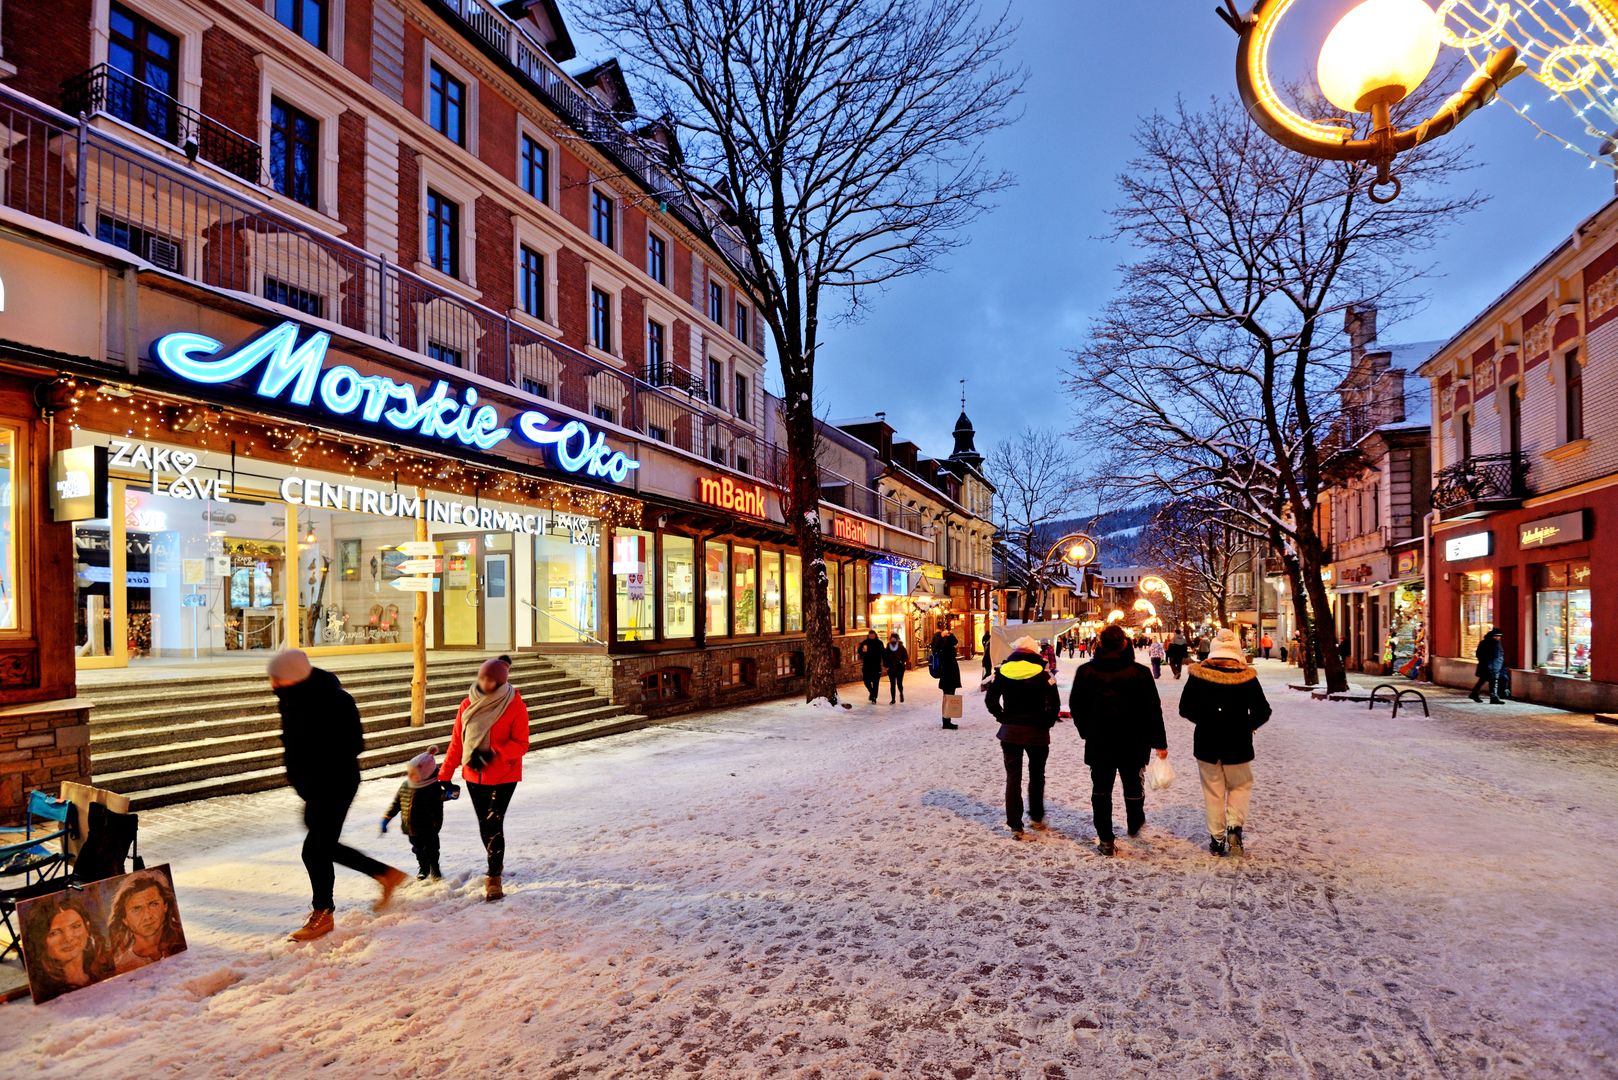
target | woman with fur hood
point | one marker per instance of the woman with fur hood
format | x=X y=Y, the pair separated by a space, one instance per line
x=1224 y=700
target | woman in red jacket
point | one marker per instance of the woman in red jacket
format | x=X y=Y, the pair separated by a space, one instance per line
x=491 y=730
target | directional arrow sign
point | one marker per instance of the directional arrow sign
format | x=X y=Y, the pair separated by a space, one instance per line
x=421 y=566
x=415 y=584
x=417 y=549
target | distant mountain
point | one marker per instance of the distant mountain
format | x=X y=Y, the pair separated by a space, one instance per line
x=1117 y=533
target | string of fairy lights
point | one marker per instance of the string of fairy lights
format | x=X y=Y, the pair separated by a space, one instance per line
x=1568 y=47
x=139 y=414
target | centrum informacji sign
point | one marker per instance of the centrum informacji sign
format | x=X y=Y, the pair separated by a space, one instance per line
x=299 y=373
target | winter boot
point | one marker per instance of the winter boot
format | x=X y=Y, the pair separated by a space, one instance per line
x=390 y=879
x=1477 y=699
x=492 y=890
x=319 y=925
x=1216 y=845
x=1135 y=815
x=1233 y=841
x=435 y=874
x=1039 y=825
x=1107 y=847
x=948 y=726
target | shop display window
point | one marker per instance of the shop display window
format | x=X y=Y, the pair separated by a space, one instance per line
x=347 y=564
x=833 y=590
x=565 y=576
x=771 y=587
x=1477 y=609
x=717 y=586
x=92 y=580
x=679 y=586
x=1562 y=627
x=744 y=568
x=9 y=590
x=859 y=598
x=634 y=585
x=792 y=575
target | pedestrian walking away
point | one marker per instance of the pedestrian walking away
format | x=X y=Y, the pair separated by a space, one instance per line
x=1024 y=698
x=947 y=668
x=1119 y=716
x=321 y=740
x=896 y=658
x=1176 y=653
x=1203 y=645
x=988 y=659
x=1491 y=656
x=1224 y=700
x=1157 y=654
x=1265 y=644
x=1047 y=653
x=491 y=737
x=870 y=654
x=419 y=805
x=1345 y=649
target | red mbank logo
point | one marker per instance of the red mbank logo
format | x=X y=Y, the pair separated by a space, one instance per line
x=726 y=494
x=857 y=532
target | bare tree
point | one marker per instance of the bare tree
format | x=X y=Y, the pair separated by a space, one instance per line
x=840 y=142
x=1212 y=368
x=1203 y=552
x=1035 y=486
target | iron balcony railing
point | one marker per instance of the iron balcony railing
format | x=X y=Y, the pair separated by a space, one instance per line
x=675 y=378
x=1481 y=479
x=68 y=173
x=105 y=89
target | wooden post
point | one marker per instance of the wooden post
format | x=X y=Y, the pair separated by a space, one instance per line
x=418 y=631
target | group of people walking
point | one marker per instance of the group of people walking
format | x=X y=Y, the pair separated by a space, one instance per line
x=322 y=740
x=1114 y=705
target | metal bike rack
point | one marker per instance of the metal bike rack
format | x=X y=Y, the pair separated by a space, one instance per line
x=1398 y=698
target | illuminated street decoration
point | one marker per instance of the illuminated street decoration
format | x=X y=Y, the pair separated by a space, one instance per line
x=299 y=373
x=1075 y=550
x=1146 y=607
x=1152 y=585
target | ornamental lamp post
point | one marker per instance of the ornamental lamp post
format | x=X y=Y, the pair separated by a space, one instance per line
x=1374 y=58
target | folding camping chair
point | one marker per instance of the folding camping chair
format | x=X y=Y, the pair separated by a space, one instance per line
x=30 y=857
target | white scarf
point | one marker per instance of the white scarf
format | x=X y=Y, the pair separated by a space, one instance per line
x=480 y=714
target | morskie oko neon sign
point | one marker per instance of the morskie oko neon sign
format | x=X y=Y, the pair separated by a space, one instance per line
x=299 y=373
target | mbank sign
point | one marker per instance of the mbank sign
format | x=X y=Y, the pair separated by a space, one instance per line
x=299 y=373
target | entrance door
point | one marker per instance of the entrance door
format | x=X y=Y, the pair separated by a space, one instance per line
x=497 y=622
x=461 y=624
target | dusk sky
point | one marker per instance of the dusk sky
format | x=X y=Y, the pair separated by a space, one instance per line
x=1003 y=311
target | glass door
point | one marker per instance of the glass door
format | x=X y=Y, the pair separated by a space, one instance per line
x=460 y=622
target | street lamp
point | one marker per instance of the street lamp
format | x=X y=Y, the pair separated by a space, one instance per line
x=1374 y=58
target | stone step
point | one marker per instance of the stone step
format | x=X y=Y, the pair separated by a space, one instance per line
x=372 y=765
x=189 y=768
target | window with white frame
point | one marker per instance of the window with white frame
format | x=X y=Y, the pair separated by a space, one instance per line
x=657 y=258
x=743 y=397
x=449 y=99
x=716 y=382
x=601 y=335
x=603 y=217
x=298 y=126
x=656 y=336
x=534 y=167
x=448 y=225
x=132 y=36
x=531 y=281
x=306 y=18
x=716 y=302
x=741 y=322
x=443 y=234
x=535 y=248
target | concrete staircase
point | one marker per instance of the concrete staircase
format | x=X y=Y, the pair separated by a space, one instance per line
x=166 y=741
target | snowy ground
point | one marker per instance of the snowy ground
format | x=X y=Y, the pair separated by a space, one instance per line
x=783 y=891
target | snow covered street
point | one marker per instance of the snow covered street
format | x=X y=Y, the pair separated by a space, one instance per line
x=796 y=892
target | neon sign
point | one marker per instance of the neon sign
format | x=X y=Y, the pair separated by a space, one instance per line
x=726 y=494
x=299 y=372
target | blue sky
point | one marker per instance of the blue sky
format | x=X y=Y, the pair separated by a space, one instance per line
x=1002 y=311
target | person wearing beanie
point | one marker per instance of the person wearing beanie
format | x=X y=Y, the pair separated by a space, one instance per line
x=491 y=737
x=1115 y=706
x=870 y=654
x=322 y=740
x=1024 y=698
x=419 y=804
x=1224 y=700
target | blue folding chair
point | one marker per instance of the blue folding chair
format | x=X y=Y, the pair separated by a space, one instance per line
x=46 y=820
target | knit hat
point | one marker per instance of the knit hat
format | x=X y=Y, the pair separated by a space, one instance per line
x=290 y=666
x=424 y=768
x=1227 y=646
x=1025 y=644
x=497 y=668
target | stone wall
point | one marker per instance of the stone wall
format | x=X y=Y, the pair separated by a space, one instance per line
x=41 y=745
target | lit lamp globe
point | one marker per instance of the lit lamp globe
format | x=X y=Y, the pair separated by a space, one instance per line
x=1378 y=53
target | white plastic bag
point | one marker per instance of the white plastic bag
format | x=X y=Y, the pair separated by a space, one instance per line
x=1159 y=773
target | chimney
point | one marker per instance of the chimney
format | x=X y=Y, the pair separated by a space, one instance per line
x=1360 y=323
x=882 y=416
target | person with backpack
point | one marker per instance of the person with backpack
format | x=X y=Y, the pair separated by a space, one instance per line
x=1224 y=700
x=1119 y=716
x=945 y=667
x=1491 y=656
x=1024 y=698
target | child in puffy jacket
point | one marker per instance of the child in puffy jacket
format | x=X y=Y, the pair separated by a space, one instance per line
x=419 y=803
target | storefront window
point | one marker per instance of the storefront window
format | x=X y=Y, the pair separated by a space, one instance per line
x=564 y=590
x=833 y=590
x=772 y=592
x=1562 y=629
x=745 y=562
x=793 y=576
x=679 y=586
x=8 y=529
x=633 y=584
x=1477 y=609
x=347 y=564
x=862 y=593
x=718 y=590
x=92 y=574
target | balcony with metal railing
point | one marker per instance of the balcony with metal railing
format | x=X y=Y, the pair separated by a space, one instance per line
x=1480 y=485
x=105 y=89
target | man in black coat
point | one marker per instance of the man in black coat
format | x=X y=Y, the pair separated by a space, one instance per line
x=1224 y=700
x=322 y=741
x=1491 y=662
x=870 y=654
x=1024 y=698
x=1115 y=706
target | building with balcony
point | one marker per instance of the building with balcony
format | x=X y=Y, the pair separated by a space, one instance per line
x=289 y=288
x=1525 y=480
x=1375 y=507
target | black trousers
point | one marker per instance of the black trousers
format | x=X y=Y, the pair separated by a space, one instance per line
x=322 y=847
x=1492 y=682
x=1101 y=777
x=1037 y=756
x=490 y=802
x=873 y=681
x=896 y=683
x=426 y=848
